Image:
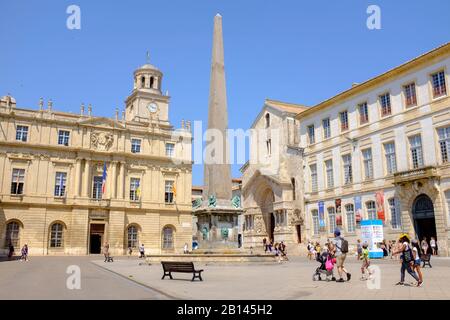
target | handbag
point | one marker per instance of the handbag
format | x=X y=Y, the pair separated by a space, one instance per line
x=329 y=264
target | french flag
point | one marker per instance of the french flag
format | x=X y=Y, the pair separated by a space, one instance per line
x=104 y=178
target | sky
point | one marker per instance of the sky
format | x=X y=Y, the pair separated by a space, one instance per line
x=295 y=51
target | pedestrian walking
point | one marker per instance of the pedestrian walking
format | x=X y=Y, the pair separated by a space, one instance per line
x=359 y=249
x=407 y=259
x=433 y=246
x=130 y=251
x=141 y=251
x=365 y=262
x=106 y=251
x=186 y=248
x=24 y=253
x=340 y=250
x=424 y=245
x=417 y=261
x=283 y=251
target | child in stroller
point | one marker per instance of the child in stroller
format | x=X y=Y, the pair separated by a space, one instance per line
x=326 y=266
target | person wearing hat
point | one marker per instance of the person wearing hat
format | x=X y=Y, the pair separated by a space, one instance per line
x=407 y=258
x=340 y=253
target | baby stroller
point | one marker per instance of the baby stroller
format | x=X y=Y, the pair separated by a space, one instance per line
x=322 y=270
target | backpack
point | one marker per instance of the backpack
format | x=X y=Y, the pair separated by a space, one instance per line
x=408 y=255
x=344 y=246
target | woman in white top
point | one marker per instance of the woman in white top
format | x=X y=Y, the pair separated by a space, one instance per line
x=433 y=246
x=424 y=245
x=417 y=261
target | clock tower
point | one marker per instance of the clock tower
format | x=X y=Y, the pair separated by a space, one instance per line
x=147 y=103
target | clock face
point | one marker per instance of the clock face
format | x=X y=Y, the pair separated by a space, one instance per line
x=152 y=107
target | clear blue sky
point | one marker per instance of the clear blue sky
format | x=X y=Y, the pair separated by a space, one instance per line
x=295 y=51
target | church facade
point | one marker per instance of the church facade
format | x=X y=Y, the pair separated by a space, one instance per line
x=70 y=183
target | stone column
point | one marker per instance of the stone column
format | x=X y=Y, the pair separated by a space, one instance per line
x=114 y=180
x=87 y=178
x=77 y=177
x=122 y=181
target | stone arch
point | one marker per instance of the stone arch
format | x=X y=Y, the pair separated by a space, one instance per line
x=56 y=240
x=130 y=240
x=5 y=237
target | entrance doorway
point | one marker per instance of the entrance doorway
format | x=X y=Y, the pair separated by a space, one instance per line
x=96 y=238
x=423 y=216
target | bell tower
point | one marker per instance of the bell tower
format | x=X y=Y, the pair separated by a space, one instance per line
x=146 y=103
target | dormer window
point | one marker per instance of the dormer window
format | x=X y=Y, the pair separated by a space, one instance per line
x=267 y=120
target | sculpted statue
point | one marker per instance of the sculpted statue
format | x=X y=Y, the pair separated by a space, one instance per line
x=236 y=202
x=102 y=141
x=196 y=203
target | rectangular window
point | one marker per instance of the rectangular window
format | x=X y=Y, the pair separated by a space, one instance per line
x=135 y=191
x=350 y=218
x=391 y=161
x=444 y=143
x=348 y=172
x=97 y=188
x=363 y=113
x=311 y=134
x=168 y=195
x=416 y=151
x=60 y=184
x=136 y=145
x=438 y=82
x=343 y=116
x=368 y=163
x=18 y=180
x=394 y=207
x=63 y=137
x=371 y=210
x=22 y=133
x=385 y=102
x=326 y=128
x=315 y=219
x=313 y=169
x=410 y=94
x=170 y=149
x=332 y=218
x=330 y=177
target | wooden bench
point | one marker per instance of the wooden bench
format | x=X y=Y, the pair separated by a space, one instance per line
x=185 y=267
x=426 y=260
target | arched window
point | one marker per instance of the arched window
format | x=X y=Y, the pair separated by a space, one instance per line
x=143 y=82
x=332 y=218
x=152 y=80
x=350 y=211
x=371 y=210
x=132 y=233
x=267 y=120
x=56 y=236
x=167 y=238
x=293 y=188
x=315 y=220
x=12 y=234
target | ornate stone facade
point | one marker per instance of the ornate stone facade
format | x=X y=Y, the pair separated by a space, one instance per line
x=52 y=192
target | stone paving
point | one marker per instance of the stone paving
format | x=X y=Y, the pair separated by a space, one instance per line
x=288 y=280
x=131 y=278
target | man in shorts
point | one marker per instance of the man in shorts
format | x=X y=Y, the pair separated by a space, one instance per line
x=340 y=256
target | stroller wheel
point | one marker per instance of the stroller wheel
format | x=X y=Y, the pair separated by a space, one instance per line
x=316 y=277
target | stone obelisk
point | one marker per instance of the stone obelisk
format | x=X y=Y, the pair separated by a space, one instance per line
x=217 y=175
x=217 y=212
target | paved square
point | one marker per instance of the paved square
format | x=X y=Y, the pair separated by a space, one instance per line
x=129 y=278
